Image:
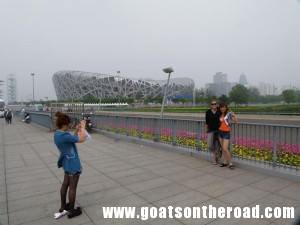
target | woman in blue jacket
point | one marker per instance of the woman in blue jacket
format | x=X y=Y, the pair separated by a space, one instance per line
x=69 y=161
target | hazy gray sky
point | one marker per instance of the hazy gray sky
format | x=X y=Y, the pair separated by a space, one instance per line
x=139 y=37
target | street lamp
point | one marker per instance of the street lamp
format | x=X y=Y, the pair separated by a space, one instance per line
x=194 y=96
x=118 y=94
x=167 y=70
x=32 y=74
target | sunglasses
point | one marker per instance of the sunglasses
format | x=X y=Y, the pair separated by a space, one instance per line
x=213 y=103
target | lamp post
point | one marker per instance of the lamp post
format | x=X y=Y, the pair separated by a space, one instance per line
x=32 y=74
x=118 y=74
x=168 y=70
x=194 y=96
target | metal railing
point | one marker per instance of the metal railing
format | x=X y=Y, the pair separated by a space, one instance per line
x=42 y=119
x=269 y=144
x=275 y=145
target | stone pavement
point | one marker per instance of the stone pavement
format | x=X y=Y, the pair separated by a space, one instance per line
x=119 y=173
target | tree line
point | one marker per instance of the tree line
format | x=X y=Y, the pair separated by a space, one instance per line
x=243 y=95
x=240 y=95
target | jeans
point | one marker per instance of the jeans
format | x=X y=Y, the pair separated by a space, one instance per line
x=212 y=141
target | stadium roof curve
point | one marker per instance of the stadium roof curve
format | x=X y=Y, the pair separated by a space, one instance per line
x=70 y=84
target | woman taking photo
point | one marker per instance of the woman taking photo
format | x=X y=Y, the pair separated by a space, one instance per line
x=226 y=118
x=69 y=161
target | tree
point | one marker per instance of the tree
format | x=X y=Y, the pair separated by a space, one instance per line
x=254 y=95
x=224 y=99
x=210 y=98
x=139 y=95
x=289 y=95
x=298 y=95
x=183 y=100
x=270 y=99
x=175 y=100
x=90 y=99
x=158 y=99
x=239 y=94
x=129 y=100
x=201 y=100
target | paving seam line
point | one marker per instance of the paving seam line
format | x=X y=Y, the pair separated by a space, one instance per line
x=4 y=169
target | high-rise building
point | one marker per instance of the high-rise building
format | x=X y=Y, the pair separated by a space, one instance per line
x=220 y=77
x=243 y=80
x=286 y=87
x=220 y=85
x=267 y=89
x=11 y=88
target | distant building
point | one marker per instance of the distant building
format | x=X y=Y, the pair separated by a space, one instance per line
x=11 y=88
x=220 y=78
x=286 y=87
x=243 y=80
x=267 y=89
x=220 y=85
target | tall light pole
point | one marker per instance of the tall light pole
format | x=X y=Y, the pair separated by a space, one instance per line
x=194 y=96
x=168 y=70
x=32 y=74
x=118 y=74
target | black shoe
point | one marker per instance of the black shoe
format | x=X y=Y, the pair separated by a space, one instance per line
x=74 y=212
x=223 y=165
x=231 y=166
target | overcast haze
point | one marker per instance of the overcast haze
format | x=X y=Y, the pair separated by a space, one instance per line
x=139 y=37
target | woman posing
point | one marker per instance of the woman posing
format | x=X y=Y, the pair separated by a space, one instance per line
x=226 y=118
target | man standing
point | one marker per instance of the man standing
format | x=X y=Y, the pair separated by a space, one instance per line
x=9 y=116
x=5 y=115
x=212 y=119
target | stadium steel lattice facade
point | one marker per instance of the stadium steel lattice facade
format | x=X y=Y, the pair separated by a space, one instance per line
x=76 y=85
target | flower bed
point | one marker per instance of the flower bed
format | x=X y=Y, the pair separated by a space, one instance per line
x=288 y=154
x=245 y=148
x=252 y=149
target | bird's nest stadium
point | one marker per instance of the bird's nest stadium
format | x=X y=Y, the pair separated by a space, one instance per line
x=77 y=85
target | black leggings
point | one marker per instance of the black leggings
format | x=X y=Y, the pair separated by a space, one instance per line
x=8 y=120
x=70 y=181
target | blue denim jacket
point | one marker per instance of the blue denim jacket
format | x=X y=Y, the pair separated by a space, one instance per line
x=69 y=158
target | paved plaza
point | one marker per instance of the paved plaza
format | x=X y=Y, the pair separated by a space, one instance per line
x=120 y=173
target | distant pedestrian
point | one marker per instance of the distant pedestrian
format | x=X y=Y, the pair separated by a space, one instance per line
x=226 y=119
x=22 y=113
x=5 y=116
x=69 y=161
x=9 y=116
x=212 y=120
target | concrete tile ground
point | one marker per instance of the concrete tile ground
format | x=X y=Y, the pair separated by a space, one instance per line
x=119 y=173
